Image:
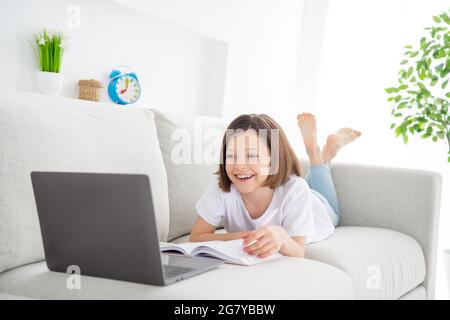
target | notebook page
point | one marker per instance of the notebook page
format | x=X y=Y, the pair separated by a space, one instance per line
x=232 y=251
x=186 y=247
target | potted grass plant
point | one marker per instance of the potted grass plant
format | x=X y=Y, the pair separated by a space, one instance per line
x=49 y=48
x=421 y=99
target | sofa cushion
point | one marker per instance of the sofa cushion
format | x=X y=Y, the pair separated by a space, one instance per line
x=57 y=134
x=383 y=264
x=289 y=278
x=190 y=146
x=364 y=253
x=5 y=296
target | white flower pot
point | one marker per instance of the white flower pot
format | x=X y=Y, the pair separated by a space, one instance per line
x=49 y=82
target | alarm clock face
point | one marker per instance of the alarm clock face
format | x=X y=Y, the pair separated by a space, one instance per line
x=128 y=89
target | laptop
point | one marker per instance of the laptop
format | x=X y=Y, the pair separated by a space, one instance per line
x=105 y=225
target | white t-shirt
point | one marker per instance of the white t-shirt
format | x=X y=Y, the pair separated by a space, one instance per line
x=300 y=211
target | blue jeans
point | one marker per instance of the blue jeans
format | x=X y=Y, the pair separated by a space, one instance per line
x=321 y=183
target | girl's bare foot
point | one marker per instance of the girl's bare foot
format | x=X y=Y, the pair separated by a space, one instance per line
x=307 y=125
x=337 y=140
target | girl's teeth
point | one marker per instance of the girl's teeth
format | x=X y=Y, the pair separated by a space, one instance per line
x=244 y=176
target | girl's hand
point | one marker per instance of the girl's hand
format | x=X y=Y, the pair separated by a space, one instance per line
x=267 y=240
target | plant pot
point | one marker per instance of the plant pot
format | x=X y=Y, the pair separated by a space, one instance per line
x=447 y=268
x=49 y=82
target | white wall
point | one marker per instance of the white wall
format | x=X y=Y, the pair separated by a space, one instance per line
x=262 y=38
x=214 y=57
x=179 y=69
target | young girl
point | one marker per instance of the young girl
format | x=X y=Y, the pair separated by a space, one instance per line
x=261 y=197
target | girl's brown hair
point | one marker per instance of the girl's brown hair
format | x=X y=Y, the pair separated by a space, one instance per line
x=288 y=162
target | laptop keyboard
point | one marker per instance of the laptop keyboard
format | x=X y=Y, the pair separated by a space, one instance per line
x=173 y=271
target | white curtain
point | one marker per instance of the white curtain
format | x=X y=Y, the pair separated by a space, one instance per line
x=351 y=51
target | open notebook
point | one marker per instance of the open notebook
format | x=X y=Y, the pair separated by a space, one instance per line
x=229 y=251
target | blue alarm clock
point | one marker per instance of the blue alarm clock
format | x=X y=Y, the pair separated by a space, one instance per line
x=124 y=87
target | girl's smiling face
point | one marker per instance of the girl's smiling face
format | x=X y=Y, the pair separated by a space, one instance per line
x=247 y=160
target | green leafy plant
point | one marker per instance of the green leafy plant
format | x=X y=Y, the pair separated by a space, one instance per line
x=49 y=48
x=421 y=98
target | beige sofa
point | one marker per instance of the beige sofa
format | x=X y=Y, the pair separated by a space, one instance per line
x=384 y=248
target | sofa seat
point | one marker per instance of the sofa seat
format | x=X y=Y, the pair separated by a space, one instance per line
x=288 y=278
x=383 y=264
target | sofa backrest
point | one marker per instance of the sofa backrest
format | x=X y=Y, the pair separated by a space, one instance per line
x=40 y=133
x=190 y=145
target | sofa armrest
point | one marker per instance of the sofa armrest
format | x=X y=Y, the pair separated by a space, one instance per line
x=404 y=200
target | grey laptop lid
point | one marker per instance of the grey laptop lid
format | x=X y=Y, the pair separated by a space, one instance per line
x=102 y=223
